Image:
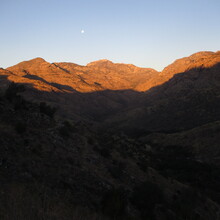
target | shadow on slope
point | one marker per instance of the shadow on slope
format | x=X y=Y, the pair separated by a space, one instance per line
x=187 y=100
x=86 y=164
x=56 y=85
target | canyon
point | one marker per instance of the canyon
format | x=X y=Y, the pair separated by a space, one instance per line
x=109 y=136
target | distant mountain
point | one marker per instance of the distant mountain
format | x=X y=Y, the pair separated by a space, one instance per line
x=201 y=59
x=103 y=74
x=96 y=76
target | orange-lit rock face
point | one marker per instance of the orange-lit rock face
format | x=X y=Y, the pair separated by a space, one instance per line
x=80 y=91
x=102 y=75
x=200 y=59
x=96 y=76
x=197 y=60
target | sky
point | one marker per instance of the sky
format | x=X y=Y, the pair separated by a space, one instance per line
x=146 y=33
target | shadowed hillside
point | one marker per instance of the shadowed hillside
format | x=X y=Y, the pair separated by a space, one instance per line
x=85 y=142
x=187 y=100
x=65 y=169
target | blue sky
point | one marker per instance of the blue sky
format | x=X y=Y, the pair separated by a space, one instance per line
x=147 y=33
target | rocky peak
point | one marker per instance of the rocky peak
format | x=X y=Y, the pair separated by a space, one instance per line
x=100 y=62
x=37 y=60
x=201 y=54
x=35 y=63
x=201 y=59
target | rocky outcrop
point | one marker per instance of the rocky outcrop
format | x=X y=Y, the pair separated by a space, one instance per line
x=96 y=76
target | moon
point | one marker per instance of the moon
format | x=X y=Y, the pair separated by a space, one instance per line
x=82 y=31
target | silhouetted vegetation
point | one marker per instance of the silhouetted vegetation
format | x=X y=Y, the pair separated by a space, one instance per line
x=20 y=202
x=20 y=127
x=66 y=129
x=47 y=109
x=117 y=169
x=20 y=103
x=114 y=203
x=145 y=197
x=13 y=90
x=184 y=203
x=102 y=150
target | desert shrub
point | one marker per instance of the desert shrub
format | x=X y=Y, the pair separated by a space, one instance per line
x=12 y=91
x=37 y=149
x=66 y=129
x=64 y=132
x=20 y=103
x=91 y=141
x=185 y=203
x=103 y=151
x=69 y=126
x=143 y=164
x=117 y=170
x=26 y=142
x=114 y=203
x=20 y=127
x=47 y=110
x=23 y=202
x=145 y=197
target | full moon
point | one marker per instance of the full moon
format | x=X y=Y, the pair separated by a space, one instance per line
x=82 y=31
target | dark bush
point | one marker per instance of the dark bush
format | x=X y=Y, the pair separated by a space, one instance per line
x=20 y=127
x=184 y=203
x=91 y=141
x=68 y=125
x=12 y=91
x=117 y=170
x=114 y=203
x=145 y=197
x=64 y=132
x=143 y=164
x=20 y=103
x=47 y=110
x=66 y=129
x=103 y=151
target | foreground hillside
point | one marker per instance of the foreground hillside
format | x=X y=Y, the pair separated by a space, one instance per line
x=53 y=169
x=110 y=141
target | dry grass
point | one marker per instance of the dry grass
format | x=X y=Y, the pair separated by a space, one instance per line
x=17 y=203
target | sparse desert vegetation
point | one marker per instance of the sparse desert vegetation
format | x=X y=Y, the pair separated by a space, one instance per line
x=74 y=150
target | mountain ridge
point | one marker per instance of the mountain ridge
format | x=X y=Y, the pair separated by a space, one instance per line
x=104 y=74
x=83 y=136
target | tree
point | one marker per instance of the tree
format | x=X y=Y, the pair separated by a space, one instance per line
x=12 y=91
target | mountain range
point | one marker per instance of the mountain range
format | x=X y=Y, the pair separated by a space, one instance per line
x=104 y=74
x=121 y=141
x=123 y=95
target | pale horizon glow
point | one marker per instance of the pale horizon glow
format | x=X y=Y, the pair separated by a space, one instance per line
x=146 y=33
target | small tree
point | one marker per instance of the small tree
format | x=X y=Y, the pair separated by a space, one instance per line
x=145 y=197
x=47 y=110
x=12 y=91
x=20 y=127
x=66 y=129
x=114 y=203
